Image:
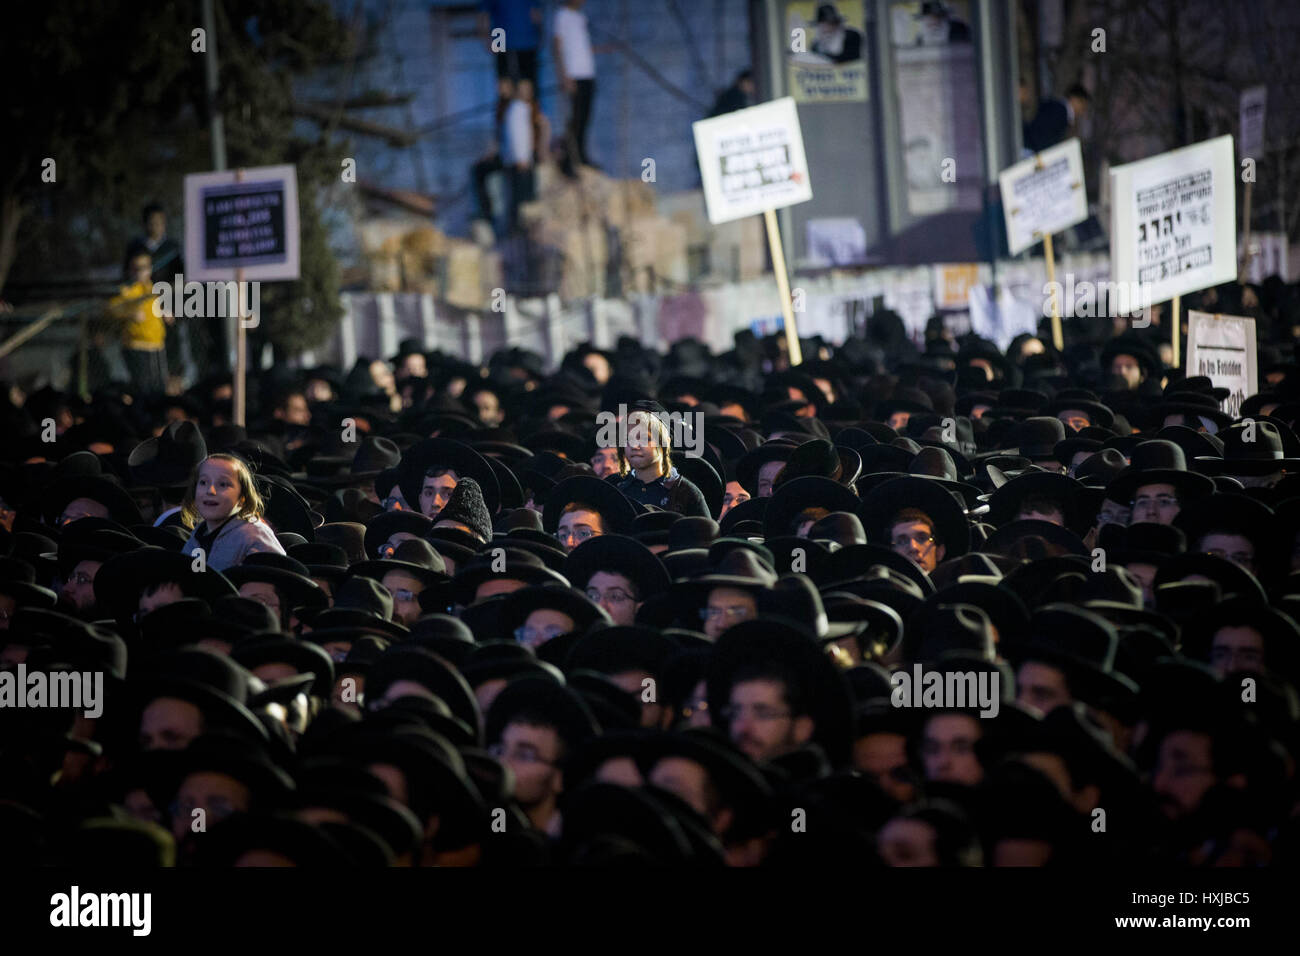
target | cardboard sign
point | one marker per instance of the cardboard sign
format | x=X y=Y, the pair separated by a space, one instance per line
x=1223 y=347
x=1254 y=103
x=242 y=219
x=752 y=160
x=1043 y=195
x=1173 y=221
x=952 y=285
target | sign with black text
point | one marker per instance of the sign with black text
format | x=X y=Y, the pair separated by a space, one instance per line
x=1173 y=220
x=752 y=160
x=1043 y=195
x=245 y=219
x=1223 y=347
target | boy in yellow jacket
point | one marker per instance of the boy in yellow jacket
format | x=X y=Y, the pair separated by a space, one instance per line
x=144 y=331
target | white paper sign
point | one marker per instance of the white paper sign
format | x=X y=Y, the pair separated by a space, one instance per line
x=1043 y=195
x=752 y=160
x=1254 y=102
x=242 y=219
x=1223 y=347
x=1173 y=221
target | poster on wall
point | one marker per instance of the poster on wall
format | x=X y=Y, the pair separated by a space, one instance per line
x=826 y=61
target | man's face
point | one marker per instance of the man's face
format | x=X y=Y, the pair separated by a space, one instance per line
x=726 y=607
x=533 y=754
x=296 y=411
x=1158 y=503
x=598 y=365
x=169 y=723
x=685 y=778
x=1113 y=512
x=734 y=494
x=1231 y=547
x=1074 y=418
x=542 y=625
x=388 y=547
x=1079 y=458
x=1127 y=368
x=577 y=526
x=915 y=540
x=1183 y=772
x=82 y=508
x=1041 y=512
x=766 y=475
x=405 y=589
x=1145 y=574
x=898 y=420
x=605 y=462
x=616 y=594
x=168 y=593
x=79 y=589
x=497 y=585
x=948 y=749
x=489 y=408
x=413 y=366
x=1237 y=648
x=883 y=757
x=761 y=723
x=156 y=225
x=262 y=593
x=1041 y=686
x=907 y=843
x=435 y=492
x=218 y=795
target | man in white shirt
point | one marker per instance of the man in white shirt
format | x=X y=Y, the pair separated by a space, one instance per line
x=519 y=150
x=576 y=64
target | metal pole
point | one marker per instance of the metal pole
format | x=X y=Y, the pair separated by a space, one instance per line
x=215 y=122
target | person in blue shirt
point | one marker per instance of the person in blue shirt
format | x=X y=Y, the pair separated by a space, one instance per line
x=516 y=49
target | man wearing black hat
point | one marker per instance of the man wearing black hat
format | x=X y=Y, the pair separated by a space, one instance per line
x=654 y=480
x=532 y=727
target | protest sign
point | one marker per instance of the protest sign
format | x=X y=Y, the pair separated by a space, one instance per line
x=1043 y=195
x=1223 y=347
x=244 y=219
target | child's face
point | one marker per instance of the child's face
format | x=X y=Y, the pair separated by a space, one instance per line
x=217 y=494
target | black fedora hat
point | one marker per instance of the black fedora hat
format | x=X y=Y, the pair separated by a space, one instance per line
x=1086 y=402
x=438 y=453
x=518 y=565
x=214 y=683
x=617 y=554
x=1194 y=404
x=380 y=528
x=616 y=509
x=884 y=502
x=168 y=460
x=1004 y=504
x=303 y=656
x=856 y=560
x=1263 y=454
x=1227 y=514
x=1035 y=438
x=415 y=557
x=566 y=600
x=1158 y=462
x=789 y=650
x=121 y=579
x=63 y=491
x=749 y=465
x=404 y=662
x=1080 y=643
x=1146 y=542
x=1010 y=538
x=289 y=577
x=544 y=697
x=798 y=494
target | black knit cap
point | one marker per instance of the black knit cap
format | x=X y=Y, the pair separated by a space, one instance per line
x=467 y=506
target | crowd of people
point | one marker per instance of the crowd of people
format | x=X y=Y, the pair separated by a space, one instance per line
x=425 y=612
